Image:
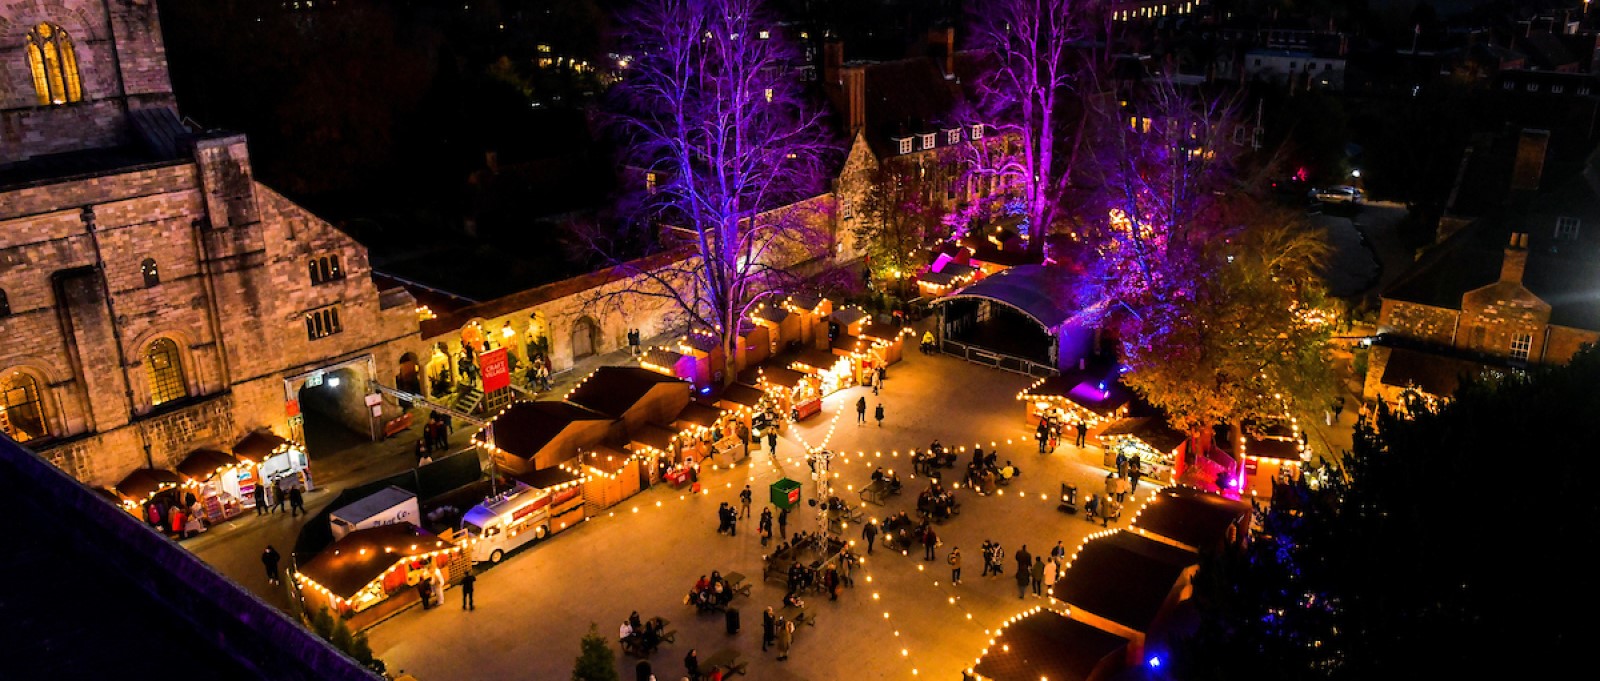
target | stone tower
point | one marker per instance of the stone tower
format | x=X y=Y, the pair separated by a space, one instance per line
x=74 y=74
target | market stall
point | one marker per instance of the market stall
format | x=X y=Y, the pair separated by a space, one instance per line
x=1126 y=584
x=144 y=485
x=1156 y=446
x=714 y=433
x=611 y=476
x=795 y=393
x=783 y=326
x=224 y=487
x=529 y=436
x=657 y=447
x=831 y=370
x=1076 y=397
x=812 y=312
x=1196 y=520
x=633 y=394
x=275 y=457
x=372 y=573
x=1272 y=453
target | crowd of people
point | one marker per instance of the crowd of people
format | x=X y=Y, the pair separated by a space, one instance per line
x=936 y=456
x=712 y=593
x=1052 y=425
x=937 y=503
x=641 y=637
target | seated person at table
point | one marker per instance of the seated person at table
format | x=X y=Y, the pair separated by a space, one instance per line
x=626 y=634
x=650 y=635
x=893 y=482
x=1009 y=471
x=792 y=600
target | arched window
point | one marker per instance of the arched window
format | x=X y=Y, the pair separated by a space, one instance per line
x=54 y=65
x=5 y=304
x=152 y=275
x=22 y=408
x=166 y=372
x=326 y=269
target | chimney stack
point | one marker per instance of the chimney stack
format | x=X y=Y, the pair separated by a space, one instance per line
x=832 y=59
x=854 y=80
x=942 y=47
x=1516 y=259
x=1528 y=171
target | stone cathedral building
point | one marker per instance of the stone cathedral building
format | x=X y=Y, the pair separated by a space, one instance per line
x=155 y=298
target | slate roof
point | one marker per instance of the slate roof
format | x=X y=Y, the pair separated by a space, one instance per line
x=613 y=390
x=524 y=428
x=1431 y=373
x=1048 y=645
x=1123 y=577
x=652 y=435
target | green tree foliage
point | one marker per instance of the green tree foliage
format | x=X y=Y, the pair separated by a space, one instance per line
x=596 y=662
x=1453 y=544
x=900 y=215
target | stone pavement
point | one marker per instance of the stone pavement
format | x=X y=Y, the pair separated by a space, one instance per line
x=902 y=617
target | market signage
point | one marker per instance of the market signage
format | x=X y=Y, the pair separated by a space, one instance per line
x=496 y=369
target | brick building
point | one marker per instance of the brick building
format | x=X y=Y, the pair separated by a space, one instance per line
x=155 y=298
x=1511 y=291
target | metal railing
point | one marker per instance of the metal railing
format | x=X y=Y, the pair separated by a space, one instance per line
x=997 y=360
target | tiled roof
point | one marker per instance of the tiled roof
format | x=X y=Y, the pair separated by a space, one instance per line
x=1124 y=578
x=613 y=390
x=1048 y=645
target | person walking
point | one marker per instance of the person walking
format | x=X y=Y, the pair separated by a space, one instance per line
x=1050 y=573
x=872 y=380
x=869 y=532
x=1083 y=432
x=1123 y=488
x=269 y=560
x=744 y=502
x=1058 y=554
x=883 y=373
x=1111 y=485
x=955 y=565
x=879 y=414
x=930 y=541
x=772 y=439
x=769 y=628
x=1109 y=510
x=764 y=526
x=282 y=488
x=1091 y=508
x=998 y=561
x=783 y=524
x=1024 y=559
x=261 y=498
x=986 y=555
x=1023 y=579
x=1036 y=574
x=861 y=410
x=297 y=502
x=467 y=585
x=927 y=342
x=1133 y=476
x=785 y=638
x=691 y=664
x=1042 y=434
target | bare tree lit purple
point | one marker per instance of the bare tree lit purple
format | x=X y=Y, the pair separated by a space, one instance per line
x=1026 y=97
x=711 y=105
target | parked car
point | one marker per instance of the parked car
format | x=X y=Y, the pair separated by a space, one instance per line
x=1339 y=194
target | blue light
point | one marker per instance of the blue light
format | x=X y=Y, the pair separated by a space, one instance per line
x=1124 y=369
x=1102 y=386
x=1155 y=662
x=706 y=390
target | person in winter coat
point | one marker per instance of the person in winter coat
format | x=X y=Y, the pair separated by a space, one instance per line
x=1109 y=510
x=1023 y=579
x=1050 y=573
x=1111 y=484
x=861 y=410
x=929 y=541
x=955 y=565
x=269 y=560
x=769 y=629
x=879 y=414
x=785 y=638
x=1036 y=574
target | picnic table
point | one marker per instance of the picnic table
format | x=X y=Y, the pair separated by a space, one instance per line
x=875 y=493
x=797 y=615
x=634 y=645
x=727 y=660
x=737 y=583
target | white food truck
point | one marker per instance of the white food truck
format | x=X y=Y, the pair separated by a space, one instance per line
x=502 y=523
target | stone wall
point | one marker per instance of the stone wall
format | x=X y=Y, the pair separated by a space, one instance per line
x=121 y=62
x=1427 y=323
x=1563 y=342
x=173 y=434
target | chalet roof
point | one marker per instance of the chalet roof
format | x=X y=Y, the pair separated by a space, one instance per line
x=1123 y=577
x=662 y=357
x=524 y=428
x=697 y=414
x=606 y=459
x=772 y=313
x=1084 y=392
x=741 y=394
x=652 y=435
x=1035 y=290
x=1048 y=645
x=546 y=478
x=1152 y=430
x=258 y=445
x=352 y=562
x=883 y=329
x=817 y=359
x=201 y=464
x=142 y=483
x=782 y=376
x=848 y=315
x=1190 y=516
x=613 y=390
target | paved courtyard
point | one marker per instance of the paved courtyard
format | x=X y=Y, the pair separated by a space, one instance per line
x=902 y=620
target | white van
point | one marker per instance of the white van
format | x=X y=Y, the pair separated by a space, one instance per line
x=502 y=523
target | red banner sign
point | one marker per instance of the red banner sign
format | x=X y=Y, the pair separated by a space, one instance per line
x=496 y=369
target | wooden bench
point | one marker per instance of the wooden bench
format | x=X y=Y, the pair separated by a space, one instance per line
x=727 y=660
x=875 y=493
x=797 y=615
x=738 y=583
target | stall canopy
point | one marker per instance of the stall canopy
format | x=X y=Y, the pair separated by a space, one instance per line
x=1150 y=430
x=552 y=478
x=201 y=464
x=1191 y=518
x=782 y=377
x=1124 y=577
x=1048 y=645
x=1099 y=395
x=142 y=483
x=604 y=461
x=739 y=395
x=1034 y=290
x=848 y=316
x=819 y=360
x=772 y=313
x=257 y=446
x=652 y=436
x=350 y=564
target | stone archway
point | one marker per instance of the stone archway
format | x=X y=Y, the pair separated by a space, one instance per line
x=585 y=338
